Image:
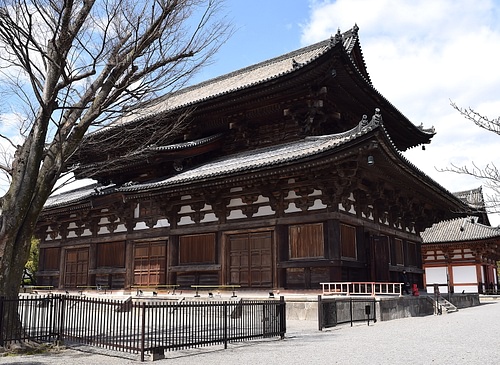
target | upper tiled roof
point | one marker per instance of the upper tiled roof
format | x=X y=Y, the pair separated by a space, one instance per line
x=459 y=230
x=243 y=78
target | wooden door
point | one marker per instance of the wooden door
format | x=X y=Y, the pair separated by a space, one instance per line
x=251 y=259
x=149 y=264
x=381 y=259
x=76 y=271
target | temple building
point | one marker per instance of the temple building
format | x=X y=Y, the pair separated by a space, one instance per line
x=284 y=174
x=460 y=255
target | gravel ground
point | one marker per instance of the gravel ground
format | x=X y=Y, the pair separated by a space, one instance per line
x=469 y=336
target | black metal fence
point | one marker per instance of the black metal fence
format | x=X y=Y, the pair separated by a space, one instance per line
x=139 y=327
x=334 y=311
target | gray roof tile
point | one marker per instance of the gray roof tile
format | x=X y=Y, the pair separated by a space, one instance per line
x=258 y=158
x=227 y=165
x=459 y=230
x=237 y=80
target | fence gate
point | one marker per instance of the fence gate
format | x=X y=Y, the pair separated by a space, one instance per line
x=334 y=311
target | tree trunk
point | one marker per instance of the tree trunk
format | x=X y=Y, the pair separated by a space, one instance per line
x=15 y=241
x=11 y=271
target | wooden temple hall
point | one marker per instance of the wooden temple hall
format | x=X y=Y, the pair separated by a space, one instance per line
x=284 y=174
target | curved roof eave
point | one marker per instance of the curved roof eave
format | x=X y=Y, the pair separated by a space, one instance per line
x=257 y=74
x=425 y=133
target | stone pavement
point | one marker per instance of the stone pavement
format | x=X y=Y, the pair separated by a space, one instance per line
x=469 y=336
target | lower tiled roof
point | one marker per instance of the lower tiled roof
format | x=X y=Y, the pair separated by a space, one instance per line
x=459 y=230
x=246 y=161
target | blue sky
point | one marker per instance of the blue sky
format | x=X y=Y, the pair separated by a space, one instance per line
x=420 y=54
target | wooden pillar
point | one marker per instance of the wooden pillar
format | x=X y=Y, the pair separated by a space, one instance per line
x=332 y=238
x=129 y=263
x=332 y=248
x=62 y=262
x=479 y=277
x=281 y=238
x=449 y=268
x=223 y=246
x=92 y=263
x=172 y=259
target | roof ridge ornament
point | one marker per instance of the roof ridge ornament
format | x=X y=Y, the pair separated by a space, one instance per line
x=332 y=41
x=296 y=64
x=376 y=118
x=338 y=36
x=364 y=123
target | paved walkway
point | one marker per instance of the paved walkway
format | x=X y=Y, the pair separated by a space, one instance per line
x=469 y=336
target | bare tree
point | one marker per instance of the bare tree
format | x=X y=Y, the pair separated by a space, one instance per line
x=73 y=65
x=489 y=173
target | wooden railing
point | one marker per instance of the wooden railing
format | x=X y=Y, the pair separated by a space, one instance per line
x=362 y=288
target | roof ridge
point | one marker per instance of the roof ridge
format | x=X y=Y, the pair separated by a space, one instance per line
x=155 y=105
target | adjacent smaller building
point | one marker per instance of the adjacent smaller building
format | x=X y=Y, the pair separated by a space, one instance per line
x=460 y=256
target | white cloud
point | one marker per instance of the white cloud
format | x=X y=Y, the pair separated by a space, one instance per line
x=420 y=55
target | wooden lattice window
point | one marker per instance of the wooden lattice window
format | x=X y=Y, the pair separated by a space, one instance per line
x=348 y=241
x=148 y=208
x=111 y=254
x=306 y=241
x=197 y=249
x=398 y=251
x=49 y=259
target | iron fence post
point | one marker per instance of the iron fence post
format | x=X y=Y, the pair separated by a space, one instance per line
x=62 y=304
x=320 y=313
x=225 y=324
x=283 y=317
x=350 y=310
x=143 y=330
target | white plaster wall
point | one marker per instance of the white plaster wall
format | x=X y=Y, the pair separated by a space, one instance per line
x=185 y=220
x=209 y=217
x=435 y=275
x=318 y=204
x=464 y=274
x=162 y=223
x=291 y=195
x=263 y=211
x=236 y=214
x=186 y=209
x=236 y=203
x=103 y=230
x=121 y=228
x=262 y=199
x=292 y=208
x=140 y=226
